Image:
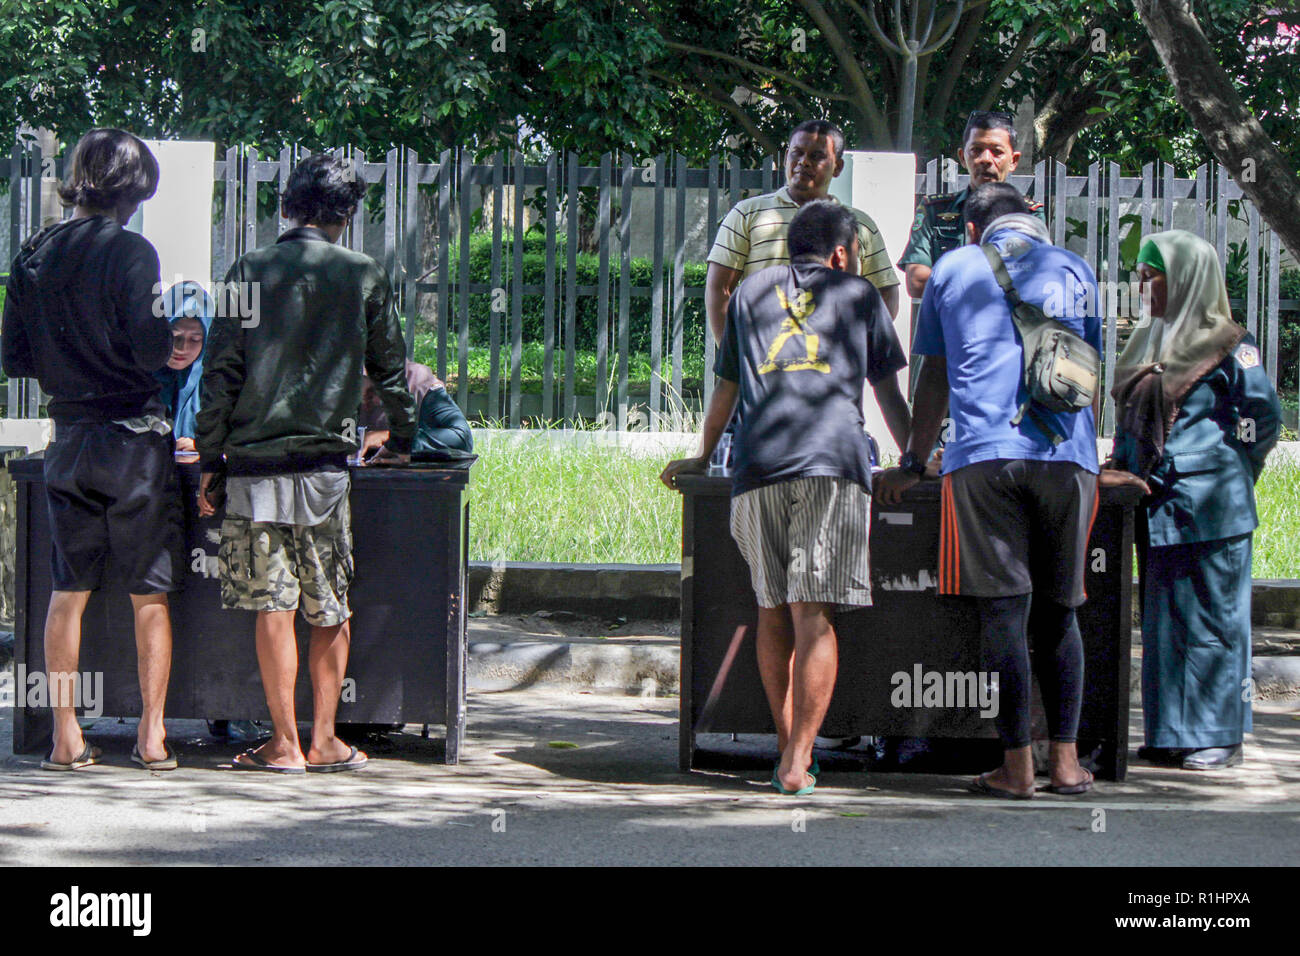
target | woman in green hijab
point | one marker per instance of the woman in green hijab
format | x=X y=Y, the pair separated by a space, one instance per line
x=1196 y=417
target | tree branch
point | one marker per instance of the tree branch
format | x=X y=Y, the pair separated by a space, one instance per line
x=1017 y=54
x=857 y=80
x=967 y=34
x=757 y=68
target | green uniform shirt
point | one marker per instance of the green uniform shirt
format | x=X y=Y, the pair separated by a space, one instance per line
x=940 y=226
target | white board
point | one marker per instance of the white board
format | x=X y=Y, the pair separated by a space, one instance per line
x=883 y=186
x=178 y=218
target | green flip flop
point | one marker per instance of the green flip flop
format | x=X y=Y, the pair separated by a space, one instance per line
x=801 y=792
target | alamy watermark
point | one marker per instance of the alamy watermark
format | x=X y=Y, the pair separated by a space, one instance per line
x=57 y=689
x=947 y=689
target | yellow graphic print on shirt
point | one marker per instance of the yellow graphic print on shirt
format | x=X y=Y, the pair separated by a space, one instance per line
x=794 y=325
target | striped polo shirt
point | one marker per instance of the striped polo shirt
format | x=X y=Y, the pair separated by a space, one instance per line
x=753 y=234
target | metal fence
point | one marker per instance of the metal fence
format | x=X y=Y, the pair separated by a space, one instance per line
x=420 y=209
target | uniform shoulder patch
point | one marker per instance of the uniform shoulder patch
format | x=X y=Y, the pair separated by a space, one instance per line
x=938 y=198
x=1247 y=356
x=1034 y=206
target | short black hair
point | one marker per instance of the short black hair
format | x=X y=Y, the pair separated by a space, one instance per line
x=819 y=227
x=984 y=119
x=109 y=167
x=822 y=128
x=991 y=200
x=323 y=189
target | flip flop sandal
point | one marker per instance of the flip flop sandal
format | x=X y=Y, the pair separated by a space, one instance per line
x=801 y=792
x=88 y=756
x=167 y=763
x=981 y=786
x=352 y=763
x=257 y=763
x=1073 y=790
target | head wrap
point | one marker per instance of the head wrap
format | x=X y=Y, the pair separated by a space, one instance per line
x=185 y=300
x=1167 y=355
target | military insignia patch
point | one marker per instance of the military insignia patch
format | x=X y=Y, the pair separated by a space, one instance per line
x=1247 y=356
x=949 y=216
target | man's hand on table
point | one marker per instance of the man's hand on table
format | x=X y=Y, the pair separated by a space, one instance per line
x=1117 y=477
x=386 y=456
x=888 y=486
x=683 y=466
x=373 y=441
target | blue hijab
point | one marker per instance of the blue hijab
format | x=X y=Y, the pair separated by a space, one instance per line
x=180 y=389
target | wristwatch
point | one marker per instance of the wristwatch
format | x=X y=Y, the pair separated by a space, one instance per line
x=910 y=462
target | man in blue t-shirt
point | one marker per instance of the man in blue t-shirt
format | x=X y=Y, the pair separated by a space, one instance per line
x=800 y=340
x=1016 y=509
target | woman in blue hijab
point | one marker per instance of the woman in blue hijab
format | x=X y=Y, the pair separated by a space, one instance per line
x=190 y=311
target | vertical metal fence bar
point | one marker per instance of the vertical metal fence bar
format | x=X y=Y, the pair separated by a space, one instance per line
x=1112 y=297
x=1274 y=289
x=710 y=237
x=548 y=334
x=679 y=276
x=231 y=233
x=602 y=289
x=1167 y=193
x=624 y=287
x=12 y=405
x=1252 y=270
x=286 y=167
x=357 y=227
x=1092 y=245
x=1040 y=182
x=496 y=300
x=517 y=295
x=657 y=300
x=1202 y=200
x=411 y=239
x=444 y=258
x=1221 y=216
x=250 y=200
x=1060 y=201
x=1147 y=207
x=391 y=209
x=572 y=226
x=931 y=177
x=464 y=195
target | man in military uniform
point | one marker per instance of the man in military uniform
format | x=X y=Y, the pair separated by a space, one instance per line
x=989 y=154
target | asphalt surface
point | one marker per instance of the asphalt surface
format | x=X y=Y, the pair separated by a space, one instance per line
x=581 y=778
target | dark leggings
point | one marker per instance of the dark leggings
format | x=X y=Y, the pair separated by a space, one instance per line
x=1057 y=663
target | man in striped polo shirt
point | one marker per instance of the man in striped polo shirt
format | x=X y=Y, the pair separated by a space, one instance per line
x=752 y=236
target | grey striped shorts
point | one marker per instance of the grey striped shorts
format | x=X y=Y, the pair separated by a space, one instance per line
x=806 y=540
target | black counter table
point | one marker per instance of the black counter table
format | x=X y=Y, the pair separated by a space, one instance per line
x=410 y=529
x=909 y=630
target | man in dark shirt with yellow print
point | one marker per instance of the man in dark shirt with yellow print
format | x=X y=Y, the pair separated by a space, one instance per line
x=800 y=340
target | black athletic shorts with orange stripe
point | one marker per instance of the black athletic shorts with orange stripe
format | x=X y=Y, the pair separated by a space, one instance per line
x=1010 y=527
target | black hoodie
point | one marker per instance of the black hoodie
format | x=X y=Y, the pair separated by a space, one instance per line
x=80 y=318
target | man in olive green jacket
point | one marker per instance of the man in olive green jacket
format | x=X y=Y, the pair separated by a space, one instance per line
x=298 y=324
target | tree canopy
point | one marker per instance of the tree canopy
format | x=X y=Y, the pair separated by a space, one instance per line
x=642 y=76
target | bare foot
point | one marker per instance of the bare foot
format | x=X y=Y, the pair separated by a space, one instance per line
x=65 y=751
x=151 y=750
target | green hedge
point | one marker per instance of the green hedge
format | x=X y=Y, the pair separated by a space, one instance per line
x=588 y=274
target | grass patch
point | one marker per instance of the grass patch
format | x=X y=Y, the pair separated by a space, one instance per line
x=531 y=501
x=1277 y=540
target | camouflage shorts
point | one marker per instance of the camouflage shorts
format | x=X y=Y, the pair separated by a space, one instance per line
x=278 y=567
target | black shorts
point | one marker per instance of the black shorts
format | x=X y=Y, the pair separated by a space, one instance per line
x=1010 y=527
x=112 y=491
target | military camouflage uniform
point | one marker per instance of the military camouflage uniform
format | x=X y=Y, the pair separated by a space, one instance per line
x=269 y=566
x=940 y=226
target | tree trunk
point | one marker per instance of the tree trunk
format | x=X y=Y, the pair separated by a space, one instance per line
x=1218 y=113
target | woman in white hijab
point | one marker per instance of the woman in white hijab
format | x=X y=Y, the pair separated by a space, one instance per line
x=1196 y=417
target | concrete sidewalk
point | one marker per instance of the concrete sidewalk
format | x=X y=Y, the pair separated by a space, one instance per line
x=584 y=778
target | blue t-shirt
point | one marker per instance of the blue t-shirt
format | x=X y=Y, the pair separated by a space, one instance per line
x=965 y=318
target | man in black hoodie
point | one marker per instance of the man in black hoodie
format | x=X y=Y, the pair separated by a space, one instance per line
x=80 y=318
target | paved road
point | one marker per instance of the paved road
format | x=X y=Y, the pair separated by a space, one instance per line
x=616 y=797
